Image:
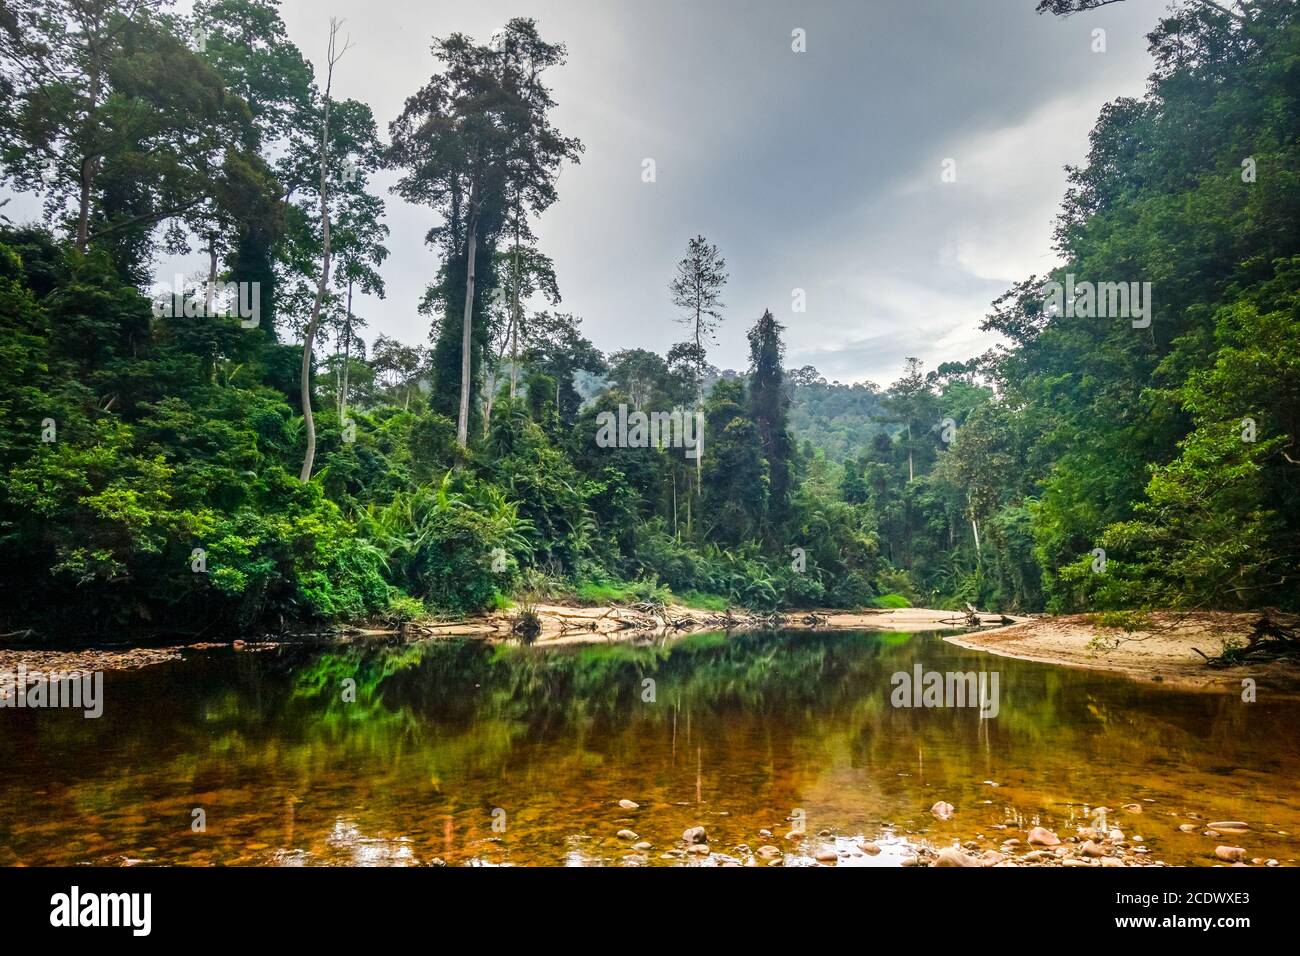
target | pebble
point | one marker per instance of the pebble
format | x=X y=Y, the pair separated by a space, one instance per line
x=629 y=805
x=869 y=848
x=627 y=835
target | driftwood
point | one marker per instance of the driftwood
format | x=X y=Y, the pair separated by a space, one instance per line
x=1269 y=640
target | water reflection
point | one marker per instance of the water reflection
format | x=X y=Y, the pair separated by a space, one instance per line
x=402 y=756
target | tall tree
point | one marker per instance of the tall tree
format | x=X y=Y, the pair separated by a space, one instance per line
x=98 y=93
x=333 y=54
x=909 y=402
x=246 y=41
x=358 y=243
x=769 y=404
x=697 y=291
x=474 y=140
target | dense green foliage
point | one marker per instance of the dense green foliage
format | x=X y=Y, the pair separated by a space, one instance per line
x=150 y=463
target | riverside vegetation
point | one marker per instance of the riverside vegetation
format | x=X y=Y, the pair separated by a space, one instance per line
x=159 y=471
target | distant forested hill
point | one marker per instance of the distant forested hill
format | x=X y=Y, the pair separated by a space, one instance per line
x=839 y=419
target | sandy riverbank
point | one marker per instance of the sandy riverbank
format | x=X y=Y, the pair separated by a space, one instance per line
x=561 y=624
x=1164 y=651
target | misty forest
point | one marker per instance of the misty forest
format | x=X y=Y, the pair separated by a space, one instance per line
x=215 y=461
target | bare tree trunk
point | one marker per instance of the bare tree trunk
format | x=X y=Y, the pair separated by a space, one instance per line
x=88 y=163
x=211 y=287
x=212 y=272
x=309 y=338
x=467 y=333
x=909 y=452
x=975 y=526
x=492 y=380
x=347 y=352
x=688 y=504
x=675 y=534
x=514 y=318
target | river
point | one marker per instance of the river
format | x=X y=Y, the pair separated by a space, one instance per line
x=464 y=752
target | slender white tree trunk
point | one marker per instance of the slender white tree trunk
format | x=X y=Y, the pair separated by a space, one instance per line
x=910 y=475
x=309 y=338
x=514 y=318
x=347 y=357
x=467 y=332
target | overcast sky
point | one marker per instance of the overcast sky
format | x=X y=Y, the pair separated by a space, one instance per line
x=818 y=170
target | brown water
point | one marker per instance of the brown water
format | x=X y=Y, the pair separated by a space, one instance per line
x=447 y=737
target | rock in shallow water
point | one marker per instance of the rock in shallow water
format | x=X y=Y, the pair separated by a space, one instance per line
x=943 y=810
x=951 y=856
x=695 y=835
x=1041 y=836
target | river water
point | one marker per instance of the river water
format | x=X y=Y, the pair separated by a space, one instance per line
x=469 y=753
